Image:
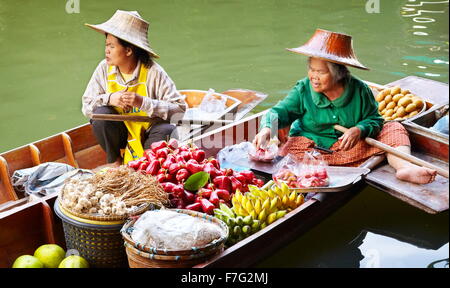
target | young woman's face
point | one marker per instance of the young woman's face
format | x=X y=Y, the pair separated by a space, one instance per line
x=115 y=53
x=319 y=75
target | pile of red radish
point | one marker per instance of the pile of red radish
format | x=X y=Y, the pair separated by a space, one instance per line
x=172 y=164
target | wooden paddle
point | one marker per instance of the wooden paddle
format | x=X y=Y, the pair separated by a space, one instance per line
x=400 y=154
x=117 y=117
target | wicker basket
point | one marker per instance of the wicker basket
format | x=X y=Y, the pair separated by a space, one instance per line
x=99 y=242
x=140 y=259
x=139 y=210
x=141 y=256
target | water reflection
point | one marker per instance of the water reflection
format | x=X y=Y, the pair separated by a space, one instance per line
x=388 y=252
x=427 y=17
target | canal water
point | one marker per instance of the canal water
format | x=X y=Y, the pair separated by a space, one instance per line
x=48 y=56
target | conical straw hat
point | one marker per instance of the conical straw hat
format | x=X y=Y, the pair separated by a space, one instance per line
x=128 y=26
x=330 y=46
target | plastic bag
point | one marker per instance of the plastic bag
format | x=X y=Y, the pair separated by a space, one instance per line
x=286 y=171
x=234 y=153
x=165 y=229
x=266 y=154
x=310 y=172
x=441 y=125
x=313 y=171
x=212 y=107
x=44 y=179
x=212 y=103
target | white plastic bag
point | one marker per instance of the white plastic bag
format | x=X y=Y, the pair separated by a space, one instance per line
x=165 y=229
x=264 y=154
x=212 y=107
x=45 y=179
x=212 y=103
x=313 y=171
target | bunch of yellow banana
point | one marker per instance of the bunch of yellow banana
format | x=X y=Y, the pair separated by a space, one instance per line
x=266 y=204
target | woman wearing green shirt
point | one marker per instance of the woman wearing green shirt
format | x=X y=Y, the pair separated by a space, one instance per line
x=331 y=95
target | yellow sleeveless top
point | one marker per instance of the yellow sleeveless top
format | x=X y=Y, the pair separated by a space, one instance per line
x=134 y=149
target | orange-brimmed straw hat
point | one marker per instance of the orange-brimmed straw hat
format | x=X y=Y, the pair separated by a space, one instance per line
x=330 y=46
x=128 y=26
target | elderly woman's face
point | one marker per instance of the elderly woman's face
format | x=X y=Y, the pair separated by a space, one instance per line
x=115 y=53
x=320 y=76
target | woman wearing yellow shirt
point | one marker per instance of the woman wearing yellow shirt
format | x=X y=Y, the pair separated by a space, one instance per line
x=129 y=82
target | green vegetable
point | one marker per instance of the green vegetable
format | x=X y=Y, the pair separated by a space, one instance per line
x=196 y=181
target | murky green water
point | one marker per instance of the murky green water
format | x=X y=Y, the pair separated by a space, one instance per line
x=48 y=56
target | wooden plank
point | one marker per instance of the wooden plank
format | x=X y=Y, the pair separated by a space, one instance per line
x=35 y=154
x=432 y=197
x=12 y=204
x=82 y=137
x=430 y=146
x=7 y=192
x=91 y=157
x=47 y=218
x=68 y=150
x=51 y=149
x=21 y=233
x=19 y=158
x=423 y=137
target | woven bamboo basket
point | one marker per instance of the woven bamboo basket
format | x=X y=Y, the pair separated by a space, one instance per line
x=142 y=256
x=99 y=242
x=140 y=259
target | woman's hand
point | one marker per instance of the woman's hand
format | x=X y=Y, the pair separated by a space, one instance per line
x=117 y=99
x=350 y=138
x=132 y=99
x=262 y=137
x=125 y=100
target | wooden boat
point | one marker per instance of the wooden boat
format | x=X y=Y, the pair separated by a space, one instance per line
x=427 y=144
x=27 y=222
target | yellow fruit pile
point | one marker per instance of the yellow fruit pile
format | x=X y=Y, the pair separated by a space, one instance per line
x=266 y=205
x=256 y=209
x=398 y=104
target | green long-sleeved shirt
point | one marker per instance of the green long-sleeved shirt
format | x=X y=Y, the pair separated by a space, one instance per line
x=312 y=115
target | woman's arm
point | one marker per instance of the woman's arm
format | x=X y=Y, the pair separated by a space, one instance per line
x=95 y=94
x=372 y=122
x=285 y=111
x=164 y=100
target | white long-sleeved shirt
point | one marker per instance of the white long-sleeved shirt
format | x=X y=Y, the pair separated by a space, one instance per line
x=163 y=99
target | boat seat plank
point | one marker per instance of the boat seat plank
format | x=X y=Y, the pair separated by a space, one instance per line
x=82 y=137
x=20 y=158
x=35 y=154
x=7 y=192
x=87 y=153
x=57 y=148
x=91 y=157
x=21 y=233
x=432 y=197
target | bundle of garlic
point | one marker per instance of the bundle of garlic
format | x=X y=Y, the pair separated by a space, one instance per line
x=80 y=196
x=115 y=192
